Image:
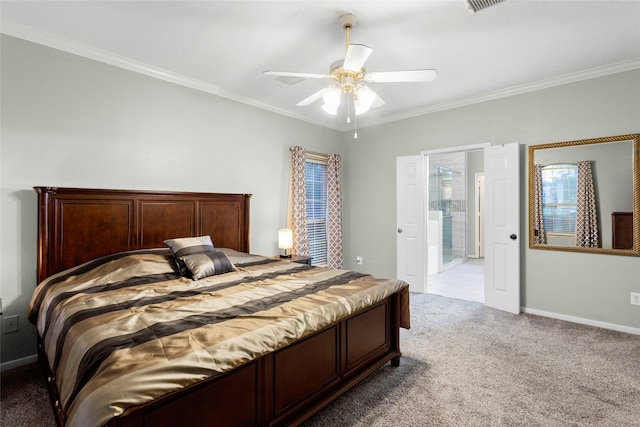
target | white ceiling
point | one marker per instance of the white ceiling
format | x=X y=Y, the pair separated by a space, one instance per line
x=222 y=47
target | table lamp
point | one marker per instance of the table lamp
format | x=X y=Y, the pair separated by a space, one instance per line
x=285 y=241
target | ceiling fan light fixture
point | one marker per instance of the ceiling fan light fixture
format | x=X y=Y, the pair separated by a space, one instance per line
x=331 y=101
x=330 y=109
x=364 y=100
x=332 y=96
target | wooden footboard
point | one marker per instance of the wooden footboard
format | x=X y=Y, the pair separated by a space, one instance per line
x=282 y=388
x=288 y=386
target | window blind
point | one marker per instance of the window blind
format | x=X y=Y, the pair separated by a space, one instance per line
x=316 y=177
x=559 y=198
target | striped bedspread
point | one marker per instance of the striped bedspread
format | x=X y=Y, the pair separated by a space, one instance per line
x=127 y=328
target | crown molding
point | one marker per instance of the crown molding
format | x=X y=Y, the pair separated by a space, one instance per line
x=69 y=46
x=55 y=42
x=592 y=73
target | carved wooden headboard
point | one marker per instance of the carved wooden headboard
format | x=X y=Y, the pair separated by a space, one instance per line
x=76 y=225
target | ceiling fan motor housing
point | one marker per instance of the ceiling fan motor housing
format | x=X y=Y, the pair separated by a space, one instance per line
x=348 y=79
x=347 y=20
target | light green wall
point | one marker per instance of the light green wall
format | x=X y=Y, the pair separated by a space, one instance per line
x=74 y=122
x=586 y=286
x=69 y=121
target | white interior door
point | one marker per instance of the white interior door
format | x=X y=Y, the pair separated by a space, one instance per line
x=502 y=227
x=410 y=233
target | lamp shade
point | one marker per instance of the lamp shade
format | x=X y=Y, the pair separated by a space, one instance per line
x=285 y=238
x=364 y=99
x=332 y=101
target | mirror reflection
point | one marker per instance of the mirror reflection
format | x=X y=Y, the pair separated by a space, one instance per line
x=583 y=195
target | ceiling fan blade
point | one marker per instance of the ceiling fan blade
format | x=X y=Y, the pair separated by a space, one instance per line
x=314 y=97
x=302 y=75
x=401 y=76
x=357 y=55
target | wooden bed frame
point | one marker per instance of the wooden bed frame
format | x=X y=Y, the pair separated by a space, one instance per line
x=281 y=388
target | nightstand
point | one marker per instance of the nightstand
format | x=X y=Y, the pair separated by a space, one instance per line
x=297 y=258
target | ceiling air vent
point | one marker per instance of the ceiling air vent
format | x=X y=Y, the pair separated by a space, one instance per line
x=476 y=5
x=290 y=80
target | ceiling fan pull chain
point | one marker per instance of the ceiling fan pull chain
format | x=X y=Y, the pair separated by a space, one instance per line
x=355 y=127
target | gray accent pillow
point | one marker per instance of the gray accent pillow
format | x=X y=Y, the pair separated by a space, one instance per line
x=208 y=264
x=197 y=257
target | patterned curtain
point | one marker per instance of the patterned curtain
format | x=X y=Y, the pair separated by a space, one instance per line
x=538 y=222
x=334 y=211
x=297 y=212
x=586 y=215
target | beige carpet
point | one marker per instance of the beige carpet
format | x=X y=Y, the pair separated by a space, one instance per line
x=463 y=365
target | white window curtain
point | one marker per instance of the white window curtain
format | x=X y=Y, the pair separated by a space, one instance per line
x=334 y=211
x=586 y=214
x=538 y=221
x=297 y=211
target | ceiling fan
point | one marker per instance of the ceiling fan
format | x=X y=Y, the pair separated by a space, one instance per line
x=349 y=76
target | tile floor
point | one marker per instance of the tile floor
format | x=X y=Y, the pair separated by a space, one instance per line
x=465 y=281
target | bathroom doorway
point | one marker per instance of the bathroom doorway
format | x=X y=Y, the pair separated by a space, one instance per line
x=455 y=224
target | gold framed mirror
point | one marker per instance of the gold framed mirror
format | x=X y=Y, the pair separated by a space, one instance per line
x=584 y=196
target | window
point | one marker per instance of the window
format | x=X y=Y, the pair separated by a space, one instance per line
x=559 y=198
x=316 y=176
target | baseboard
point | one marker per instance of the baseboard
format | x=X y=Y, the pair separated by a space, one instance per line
x=582 y=321
x=18 y=362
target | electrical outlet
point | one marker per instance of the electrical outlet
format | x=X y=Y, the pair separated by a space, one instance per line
x=10 y=324
x=359 y=260
x=635 y=298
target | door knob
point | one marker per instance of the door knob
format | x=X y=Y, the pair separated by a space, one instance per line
x=513 y=237
x=399 y=230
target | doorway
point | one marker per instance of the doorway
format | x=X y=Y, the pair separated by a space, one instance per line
x=501 y=213
x=454 y=224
